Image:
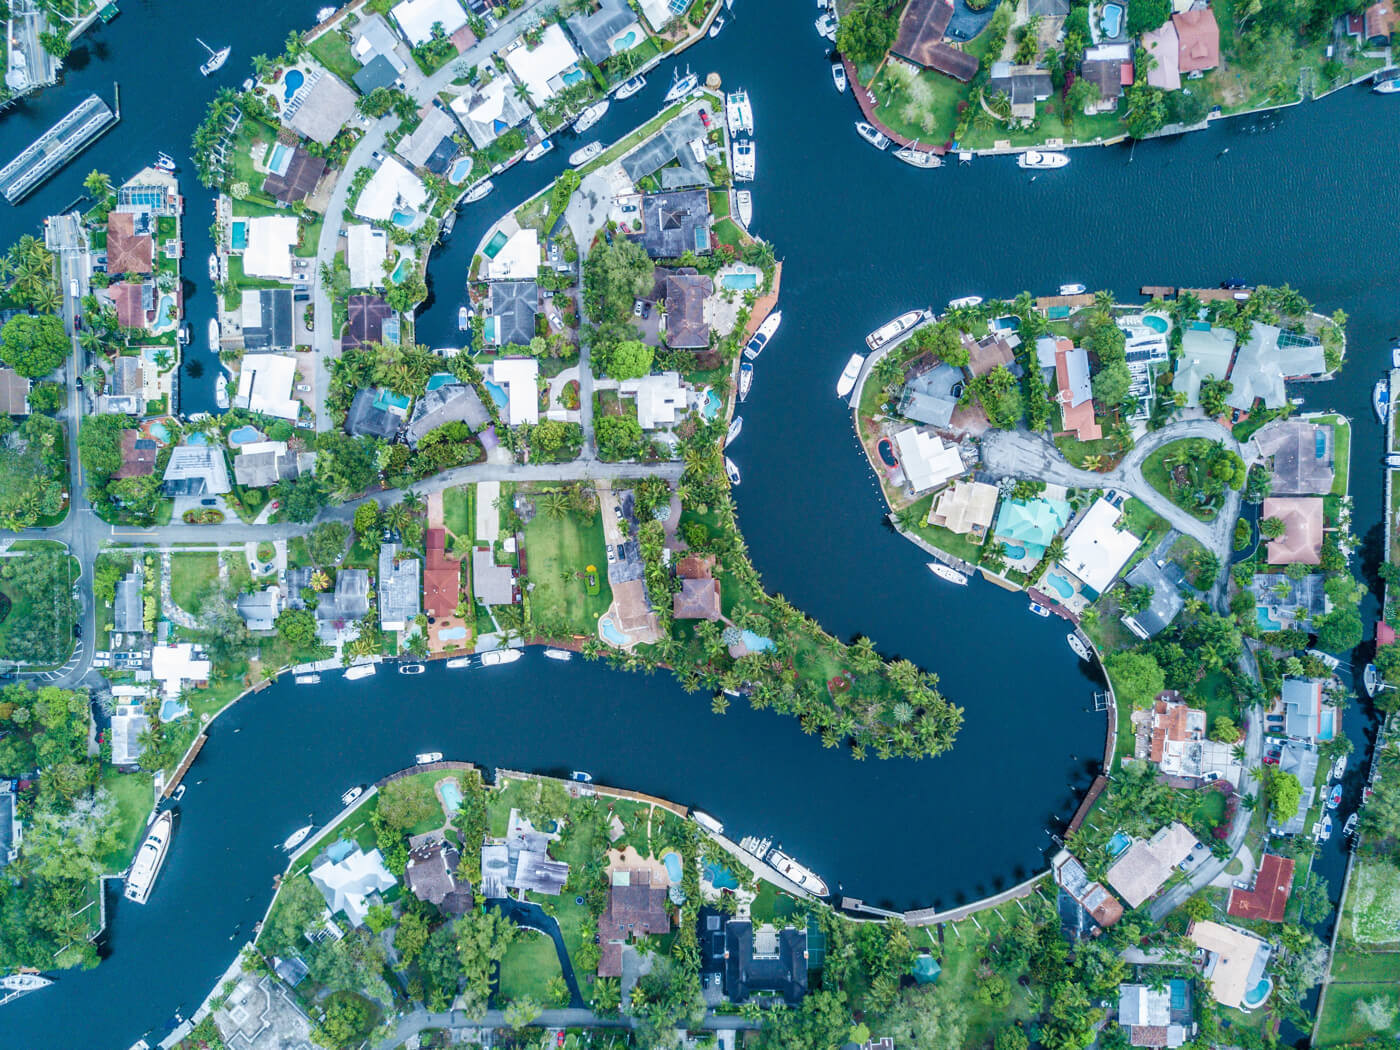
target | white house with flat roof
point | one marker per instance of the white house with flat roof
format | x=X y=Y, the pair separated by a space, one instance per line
x=417 y=17
x=265 y=385
x=519 y=376
x=174 y=665
x=271 y=239
x=518 y=259
x=366 y=248
x=1097 y=549
x=659 y=398
x=391 y=188
x=542 y=68
x=926 y=460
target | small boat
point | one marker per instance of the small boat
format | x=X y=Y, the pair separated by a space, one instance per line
x=1349 y=828
x=351 y=795
x=464 y=318
x=580 y=777
x=1395 y=356
x=919 y=158
x=1040 y=159
x=1080 y=649
x=13 y=985
x=1371 y=679
x=1334 y=797
x=165 y=162
x=1296 y=402
x=149 y=858
x=1389 y=86
x=826 y=26
x=736 y=427
x=716 y=26
x=108 y=12
x=558 y=654
x=459 y=662
x=872 y=135
x=890 y=329
x=539 y=149
x=496 y=657
x=745 y=160
x=743 y=206
x=179 y=793
x=216 y=58
x=296 y=838
x=214 y=334
x=631 y=87
x=849 y=375
x=585 y=154
x=427 y=757
x=481 y=189
x=731 y=471
x=745 y=380
x=838 y=76
x=965 y=302
x=591 y=116
x=213 y=266
x=307 y=679
x=681 y=86
x=1339 y=767
x=412 y=669
x=325 y=12
x=738 y=113
x=184 y=333
x=945 y=572
x=1380 y=399
x=354 y=674
x=1331 y=663
x=1324 y=829
x=707 y=822
x=1071 y=289
x=764 y=333
x=1039 y=609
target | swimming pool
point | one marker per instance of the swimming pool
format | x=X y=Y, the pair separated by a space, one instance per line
x=886 y=450
x=623 y=42
x=1326 y=725
x=712 y=405
x=244 y=436
x=674 y=868
x=451 y=793
x=1014 y=551
x=460 y=170
x=498 y=394
x=196 y=439
x=1265 y=621
x=1059 y=584
x=403 y=218
x=572 y=76
x=397 y=275
x=159 y=432
x=453 y=634
x=739 y=282
x=721 y=878
x=340 y=849
x=1177 y=988
x=756 y=643
x=172 y=709
x=1256 y=995
x=1157 y=324
x=611 y=634
x=438 y=379
x=1118 y=843
x=702 y=239
x=294 y=80
x=1009 y=323
x=278 y=159
x=165 y=314
x=1112 y=19
x=238 y=235
x=1200 y=326
x=494 y=245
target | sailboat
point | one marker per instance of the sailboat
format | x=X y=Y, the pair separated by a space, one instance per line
x=216 y=58
x=681 y=86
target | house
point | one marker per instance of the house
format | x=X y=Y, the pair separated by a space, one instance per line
x=1270 y=356
x=1097 y=902
x=265 y=317
x=636 y=908
x=392 y=188
x=430 y=144
x=418 y=18
x=449 y=403
x=1163 y=46
x=14 y=393
x=346 y=884
x=1300 y=455
x=1030 y=525
x=517 y=259
x=682 y=141
x=1199 y=40
x=659 y=398
x=920 y=40
x=1235 y=960
x=129 y=723
x=931 y=393
x=993 y=351
x=1282 y=603
x=367 y=317
x=491 y=583
x=366 y=250
x=927 y=462
x=138 y=455
x=350 y=599
x=1267 y=898
x=495 y=870
x=442 y=576
x=126 y=390
x=490 y=111
x=542 y=68
x=431 y=875
x=175 y=665
x=371 y=38
x=195 y=470
x=1302 y=708
x=324 y=109
x=536 y=872
x=1378 y=23
x=1299 y=758
x=1074 y=392
x=676 y=222
x=519 y=376
x=1024 y=87
x=686 y=327
x=260 y=608
x=1109 y=67
x=370 y=415
x=399 y=587
x=1148 y=1016
x=1205 y=354
x=602 y=33
x=1097 y=549
x=699 y=596
x=965 y=507
x=129 y=250
x=765 y=959
x=128 y=606
x=1301 y=542
x=11 y=831
x=514 y=307
x=1166 y=602
x=1142 y=869
x=378 y=72
x=260 y=464
x=1175 y=726
x=134 y=302
x=265 y=384
x=295 y=176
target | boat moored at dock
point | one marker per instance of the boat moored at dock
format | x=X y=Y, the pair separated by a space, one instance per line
x=681 y=86
x=496 y=657
x=849 y=375
x=354 y=674
x=13 y=985
x=707 y=822
x=785 y=865
x=351 y=795
x=1038 y=160
x=427 y=758
x=214 y=335
x=946 y=572
x=591 y=116
x=539 y=149
x=1076 y=643
x=1390 y=85
x=743 y=206
x=1380 y=399
x=150 y=856
x=558 y=654
x=1072 y=289
x=964 y=302
x=838 y=75
x=631 y=87
x=745 y=380
x=736 y=427
x=765 y=332
x=731 y=471
x=584 y=154
x=481 y=189
x=738 y=113
x=919 y=158
x=745 y=160
x=296 y=838
x=307 y=679
x=872 y=135
x=891 y=329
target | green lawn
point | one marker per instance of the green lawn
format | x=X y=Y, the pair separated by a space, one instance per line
x=719 y=204
x=556 y=548
x=1342 y=1021
x=1102 y=454
x=331 y=50
x=1211 y=808
x=1348 y=966
x=1341 y=458
x=1142 y=521
x=459 y=511
x=1373 y=904
x=527 y=968
x=1154 y=469
x=1213 y=694
x=954 y=543
x=190 y=576
x=962 y=954
x=241 y=282
x=133 y=796
x=728 y=232
x=771 y=903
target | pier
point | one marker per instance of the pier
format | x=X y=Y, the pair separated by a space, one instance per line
x=56 y=147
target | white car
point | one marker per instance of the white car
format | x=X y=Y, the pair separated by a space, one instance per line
x=612 y=554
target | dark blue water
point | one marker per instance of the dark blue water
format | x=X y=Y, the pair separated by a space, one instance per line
x=1311 y=202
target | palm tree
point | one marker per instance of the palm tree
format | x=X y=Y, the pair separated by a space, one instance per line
x=719 y=704
x=555 y=504
x=413 y=500
x=46 y=298
x=98 y=185
x=397 y=516
x=522 y=92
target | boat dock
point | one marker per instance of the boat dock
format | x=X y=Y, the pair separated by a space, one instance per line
x=56 y=147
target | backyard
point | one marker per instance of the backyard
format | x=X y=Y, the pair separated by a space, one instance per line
x=558 y=550
x=132 y=794
x=190 y=576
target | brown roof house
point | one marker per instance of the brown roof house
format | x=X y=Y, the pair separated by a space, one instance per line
x=1379 y=21
x=127 y=250
x=1144 y=867
x=1301 y=453
x=686 y=327
x=1199 y=38
x=14 y=393
x=442 y=576
x=296 y=176
x=921 y=29
x=699 y=596
x=431 y=875
x=1269 y=896
x=138 y=455
x=132 y=303
x=1301 y=542
x=636 y=908
x=1097 y=902
x=993 y=351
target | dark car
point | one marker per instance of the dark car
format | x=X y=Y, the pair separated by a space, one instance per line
x=208 y=502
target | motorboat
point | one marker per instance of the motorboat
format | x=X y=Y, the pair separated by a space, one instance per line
x=707 y=822
x=184 y=333
x=945 y=572
x=216 y=58
x=1395 y=356
x=919 y=158
x=496 y=657
x=785 y=865
x=1380 y=399
x=149 y=858
x=743 y=206
x=179 y=793
x=731 y=471
x=581 y=777
x=464 y=318
x=1339 y=767
x=1041 y=159
x=354 y=674
x=1331 y=663
x=427 y=758
x=165 y=162
x=591 y=116
x=849 y=375
x=558 y=654
x=539 y=149
x=826 y=26
x=1039 y=609
x=324 y=13
x=872 y=135
x=1334 y=797
x=221 y=394
x=1349 y=828
x=738 y=113
x=351 y=795
x=1081 y=650
x=838 y=75
x=681 y=86
x=1072 y=289
x=891 y=329
x=584 y=154
x=965 y=302
x=716 y=26
x=412 y=669
x=631 y=87
x=765 y=332
x=1324 y=829
x=459 y=662
x=13 y=985
x=1371 y=679
x=1389 y=86
x=213 y=266
x=481 y=189
x=745 y=380
x=214 y=335
x=736 y=427
x=296 y=838
x=745 y=160
x=307 y=679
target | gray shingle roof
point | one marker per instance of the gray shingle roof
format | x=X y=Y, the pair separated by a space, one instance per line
x=594 y=31
x=671 y=143
x=378 y=72
x=1166 y=599
x=514 y=305
x=784 y=973
x=452 y=403
x=365 y=419
x=675 y=223
x=127 y=606
x=399 y=585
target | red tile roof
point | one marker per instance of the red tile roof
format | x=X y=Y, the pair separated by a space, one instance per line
x=1078 y=419
x=697 y=600
x=1200 y=40
x=1270 y=894
x=127 y=251
x=127 y=299
x=442 y=577
x=138 y=455
x=1381 y=20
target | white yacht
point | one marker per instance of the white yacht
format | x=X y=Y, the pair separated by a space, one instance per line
x=1039 y=609
x=849 y=375
x=826 y=26
x=764 y=333
x=838 y=76
x=539 y=149
x=214 y=334
x=631 y=87
x=707 y=822
x=351 y=795
x=946 y=572
x=1038 y=159
x=1380 y=399
x=585 y=154
x=496 y=657
x=427 y=758
x=872 y=135
x=558 y=654
x=745 y=380
x=1072 y=289
x=591 y=116
x=481 y=189
x=412 y=669
x=681 y=86
x=716 y=26
x=149 y=858
x=890 y=329
x=738 y=113
x=296 y=838
x=307 y=679
x=354 y=674
x=743 y=206
x=1389 y=86
x=1395 y=356
x=13 y=985
x=964 y=302
x=213 y=266
x=785 y=865
x=459 y=662
x=1339 y=767
x=745 y=160
x=736 y=427
x=1081 y=650
x=216 y=58
x=731 y=471
x=919 y=158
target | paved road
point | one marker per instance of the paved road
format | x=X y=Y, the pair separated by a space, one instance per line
x=416 y=1021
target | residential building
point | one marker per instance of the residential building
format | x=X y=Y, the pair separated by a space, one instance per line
x=1100 y=905
x=196 y=470
x=373 y=415
x=129 y=722
x=392 y=188
x=920 y=40
x=1142 y=869
x=138 y=455
x=431 y=875
x=1300 y=455
x=133 y=301
x=659 y=397
x=347 y=884
x=261 y=464
x=636 y=908
x=1074 y=392
x=323 y=110
x=368 y=321
x=418 y=18
x=1205 y=354
x=430 y=145
x=295 y=176
x=1301 y=542
x=680 y=142
x=126 y=391
x=931 y=392
x=442 y=576
x=765 y=959
x=489 y=111
x=926 y=461
x=1150 y=1017
x=265 y=318
x=1283 y=603
x=519 y=376
x=260 y=608
x=1175 y=728
x=686 y=327
x=265 y=384
x=537 y=872
x=1199 y=38
x=1268 y=897
x=1109 y=67
x=992 y=351
x=128 y=605
x=1302 y=706
x=1166 y=602
x=1235 y=961
x=271 y=239
x=1026 y=527
x=1163 y=46
x=495 y=870
x=966 y=507
x=378 y=72
x=399 y=587
x=350 y=599
x=14 y=393
x=1266 y=360
x=1024 y=87
x=371 y=38
x=1379 y=22
x=602 y=33
x=1097 y=549
x=676 y=222
x=11 y=831
x=366 y=250
x=175 y=666
x=514 y=307
x=542 y=68
x=516 y=260
x=130 y=249
x=699 y=596
x=1299 y=758
x=491 y=583
x=449 y=403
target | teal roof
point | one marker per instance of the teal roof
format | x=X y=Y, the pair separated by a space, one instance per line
x=1036 y=522
x=925 y=969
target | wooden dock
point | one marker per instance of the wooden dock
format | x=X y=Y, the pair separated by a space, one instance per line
x=184 y=767
x=1073 y=302
x=1158 y=291
x=1215 y=295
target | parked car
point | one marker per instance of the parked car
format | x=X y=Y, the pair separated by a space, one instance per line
x=208 y=502
x=612 y=554
x=303 y=388
x=637 y=308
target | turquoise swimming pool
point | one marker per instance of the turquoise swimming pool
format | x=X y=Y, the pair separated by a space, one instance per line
x=280 y=157
x=1326 y=725
x=756 y=643
x=1009 y=323
x=1059 y=584
x=572 y=76
x=453 y=634
x=624 y=41
x=460 y=170
x=1157 y=324
x=438 y=379
x=293 y=81
x=712 y=405
x=721 y=878
x=238 y=235
x=451 y=793
x=1118 y=843
x=1112 y=19
x=1014 y=551
x=244 y=436
x=1256 y=995
x=172 y=709
x=159 y=432
x=397 y=275
x=611 y=634
x=403 y=218
x=498 y=394
x=739 y=282
x=674 y=867
x=1265 y=621
x=196 y=439
x=1200 y=326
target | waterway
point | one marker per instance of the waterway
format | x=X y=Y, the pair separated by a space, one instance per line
x=865 y=238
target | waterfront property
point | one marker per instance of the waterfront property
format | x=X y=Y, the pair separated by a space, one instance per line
x=1300 y=454
x=1235 y=964
x=1156 y=1016
x=1026 y=527
x=966 y=508
x=1142 y=869
x=1266 y=900
x=350 y=880
x=1301 y=541
x=1087 y=902
x=1096 y=549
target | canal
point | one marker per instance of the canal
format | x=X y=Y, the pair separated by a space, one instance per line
x=1305 y=198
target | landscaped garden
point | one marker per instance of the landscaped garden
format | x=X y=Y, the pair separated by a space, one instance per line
x=1195 y=474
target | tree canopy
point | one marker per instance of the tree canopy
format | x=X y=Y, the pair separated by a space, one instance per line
x=33 y=344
